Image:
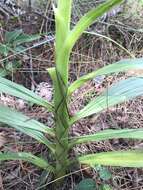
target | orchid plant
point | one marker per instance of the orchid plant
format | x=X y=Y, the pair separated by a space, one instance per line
x=57 y=139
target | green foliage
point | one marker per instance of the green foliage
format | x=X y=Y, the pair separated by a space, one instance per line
x=13 y=43
x=105 y=187
x=22 y=92
x=86 y=184
x=57 y=139
x=117 y=93
x=27 y=157
x=104 y=173
x=108 y=134
x=132 y=158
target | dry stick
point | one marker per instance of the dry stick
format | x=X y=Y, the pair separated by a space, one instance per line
x=31 y=69
x=113 y=41
x=45 y=13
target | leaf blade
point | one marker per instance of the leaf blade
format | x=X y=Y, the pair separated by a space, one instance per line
x=118 y=93
x=88 y=19
x=25 y=38
x=11 y=88
x=120 y=66
x=108 y=134
x=26 y=125
x=11 y=36
x=40 y=162
x=132 y=158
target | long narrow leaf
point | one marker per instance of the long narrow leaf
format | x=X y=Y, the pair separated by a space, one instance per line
x=26 y=125
x=9 y=87
x=120 y=92
x=120 y=66
x=118 y=158
x=108 y=134
x=89 y=19
x=28 y=157
x=65 y=43
x=62 y=19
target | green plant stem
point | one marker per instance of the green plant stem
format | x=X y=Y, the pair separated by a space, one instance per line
x=60 y=78
x=61 y=129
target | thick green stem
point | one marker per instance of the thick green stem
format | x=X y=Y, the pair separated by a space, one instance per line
x=63 y=16
x=61 y=145
x=62 y=127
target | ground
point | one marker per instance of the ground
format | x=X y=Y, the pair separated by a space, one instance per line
x=91 y=52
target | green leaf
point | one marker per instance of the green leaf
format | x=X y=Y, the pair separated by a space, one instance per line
x=103 y=172
x=9 y=87
x=89 y=19
x=19 y=48
x=108 y=134
x=132 y=158
x=28 y=157
x=4 y=50
x=25 y=38
x=120 y=66
x=66 y=39
x=3 y=72
x=86 y=184
x=12 y=36
x=9 y=67
x=26 y=125
x=105 y=187
x=12 y=66
x=62 y=22
x=120 y=92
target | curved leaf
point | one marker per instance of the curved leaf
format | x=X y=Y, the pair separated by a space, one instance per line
x=66 y=39
x=86 y=184
x=88 y=19
x=4 y=49
x=120 y=66
x=108 y=134
x=40 y=162
x=120 y=92
x=62 y=21
x=12 y=36
x=25 y=38
x=119 y=158
x=26 y=125
x=9 y=87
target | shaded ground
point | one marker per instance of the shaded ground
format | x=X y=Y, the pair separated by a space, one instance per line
x=90 y=53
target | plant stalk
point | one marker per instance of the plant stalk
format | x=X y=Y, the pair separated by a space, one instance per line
x=62 y=16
